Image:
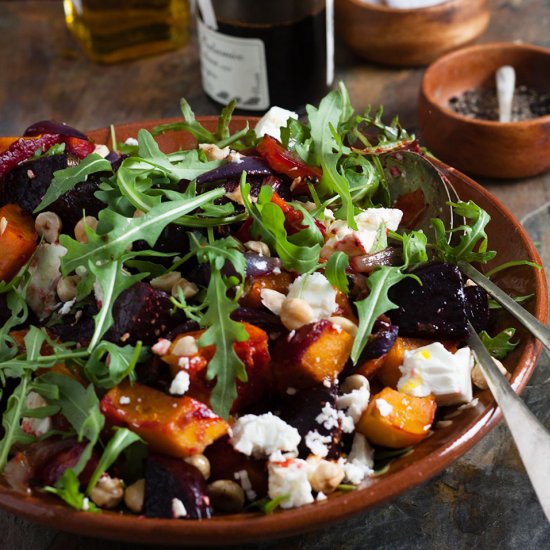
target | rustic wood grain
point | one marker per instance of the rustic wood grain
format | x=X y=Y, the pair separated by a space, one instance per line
x=484 y=500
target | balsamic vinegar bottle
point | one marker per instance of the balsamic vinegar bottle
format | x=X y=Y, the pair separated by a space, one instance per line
x=266 y=52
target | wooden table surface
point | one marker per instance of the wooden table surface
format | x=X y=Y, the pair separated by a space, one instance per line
x=484 y=500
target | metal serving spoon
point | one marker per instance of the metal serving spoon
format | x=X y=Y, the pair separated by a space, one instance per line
x=531 y=437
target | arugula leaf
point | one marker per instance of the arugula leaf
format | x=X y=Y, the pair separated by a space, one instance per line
x=68 y=489
x=414 y=248
x=473 y=236
x=65 y=180
x=269 y=223
x=335 y=271
x=374 y=305
x=113 y=282
x=122 y=439
x=508 y=265
x=11 y=420
x=122 y=361
x=119 y=232
x=501 y=345
x=222 y=331
x=334 y=180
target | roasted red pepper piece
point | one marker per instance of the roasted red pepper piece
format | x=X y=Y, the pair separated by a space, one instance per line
x=23 y=149
x=284 y=161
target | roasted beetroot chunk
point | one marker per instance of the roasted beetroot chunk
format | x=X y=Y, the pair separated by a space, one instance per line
x=27 y=183
x=140 y=313
x=301 y=411
x=477 y=307
x=436 y=309
x=381 y=341
x=167 y=479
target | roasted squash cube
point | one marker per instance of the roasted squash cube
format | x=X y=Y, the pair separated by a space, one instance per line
x=394 y=419
x=17 y=240
x=315 y=352
x=176 y=426
x=254 y=353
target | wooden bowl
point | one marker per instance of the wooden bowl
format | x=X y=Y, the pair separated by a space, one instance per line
x=409 y=37
x=506 y=235
x=480 y=147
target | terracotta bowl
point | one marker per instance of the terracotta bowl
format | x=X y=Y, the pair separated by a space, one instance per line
x=435 y=453
x=409 y=37
x=479 y=147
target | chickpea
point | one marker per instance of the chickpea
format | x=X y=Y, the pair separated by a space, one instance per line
x=66 y=287
x=48 y=225
x=324 y=475
x=226 y=496
x=201 y=463
x=259 y=247
x=135 y=495
x=80 y=233
x=108 y=492
x=167 y=281
x=296 y=313
x=478 y=378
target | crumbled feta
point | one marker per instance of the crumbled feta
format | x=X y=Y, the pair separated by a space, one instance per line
x=316 y=290
x=124 y=400
x=329 y=418
x=178 y=509
x=213 y=152
x=66 y=307
x=161 y=347
x=359 y=462
x=317 y=443
x=263 y=435
x=44 y=271
x=434 y=370
x=384 y=408
x=355 y=401
x=244 y=479
x=290 y=477
x=370 y=236
x=85 y=504
x=272 y=122
x=101 y=150
x=180 y=383
x=184 y=363
x=36 y=426
x=321 y=496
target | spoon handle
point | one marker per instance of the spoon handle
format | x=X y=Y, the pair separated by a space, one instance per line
x=532 y=439
x=531 y=323
x=506 y=82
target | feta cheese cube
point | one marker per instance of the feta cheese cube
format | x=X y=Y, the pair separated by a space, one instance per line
x=290 y=477
x=434 y=370
x=272 y=122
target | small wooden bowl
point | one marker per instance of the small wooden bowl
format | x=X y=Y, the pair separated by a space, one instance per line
x=480 y=147
x=409 y=37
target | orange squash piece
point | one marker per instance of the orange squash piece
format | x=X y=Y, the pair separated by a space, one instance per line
x=314 y=353
x=389 y=372
x=17 y=240
x=254 y=353
x=176 y=426
x=399 y=421
x=274 y=281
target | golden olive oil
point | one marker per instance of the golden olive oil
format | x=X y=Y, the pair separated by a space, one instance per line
x=116 y=30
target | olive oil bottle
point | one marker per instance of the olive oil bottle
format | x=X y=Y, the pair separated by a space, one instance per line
x=117 y=30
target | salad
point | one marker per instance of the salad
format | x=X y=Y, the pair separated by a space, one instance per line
x=254 y=323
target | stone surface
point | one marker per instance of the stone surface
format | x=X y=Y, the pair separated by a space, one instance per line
x=484 y=500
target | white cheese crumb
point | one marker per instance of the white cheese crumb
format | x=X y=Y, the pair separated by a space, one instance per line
x=124 y=400
x=263 y=435
x=132 y=142
x=244 y=479
x=178 y=509
x=321 y=496
x=36 y=426
x=213 y=152
x=161 y=347
x=180 y=383
x=355 y=401
x=85 y=504
x=329 y=418
x=272 y=122
x=317 y=443
x=359 y=462
x=184 y=363
x=290 y=477
x=66 y=307
x=317 y=291
x=384 y=408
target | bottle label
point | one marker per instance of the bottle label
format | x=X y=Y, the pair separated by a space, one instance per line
x=233 y=68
